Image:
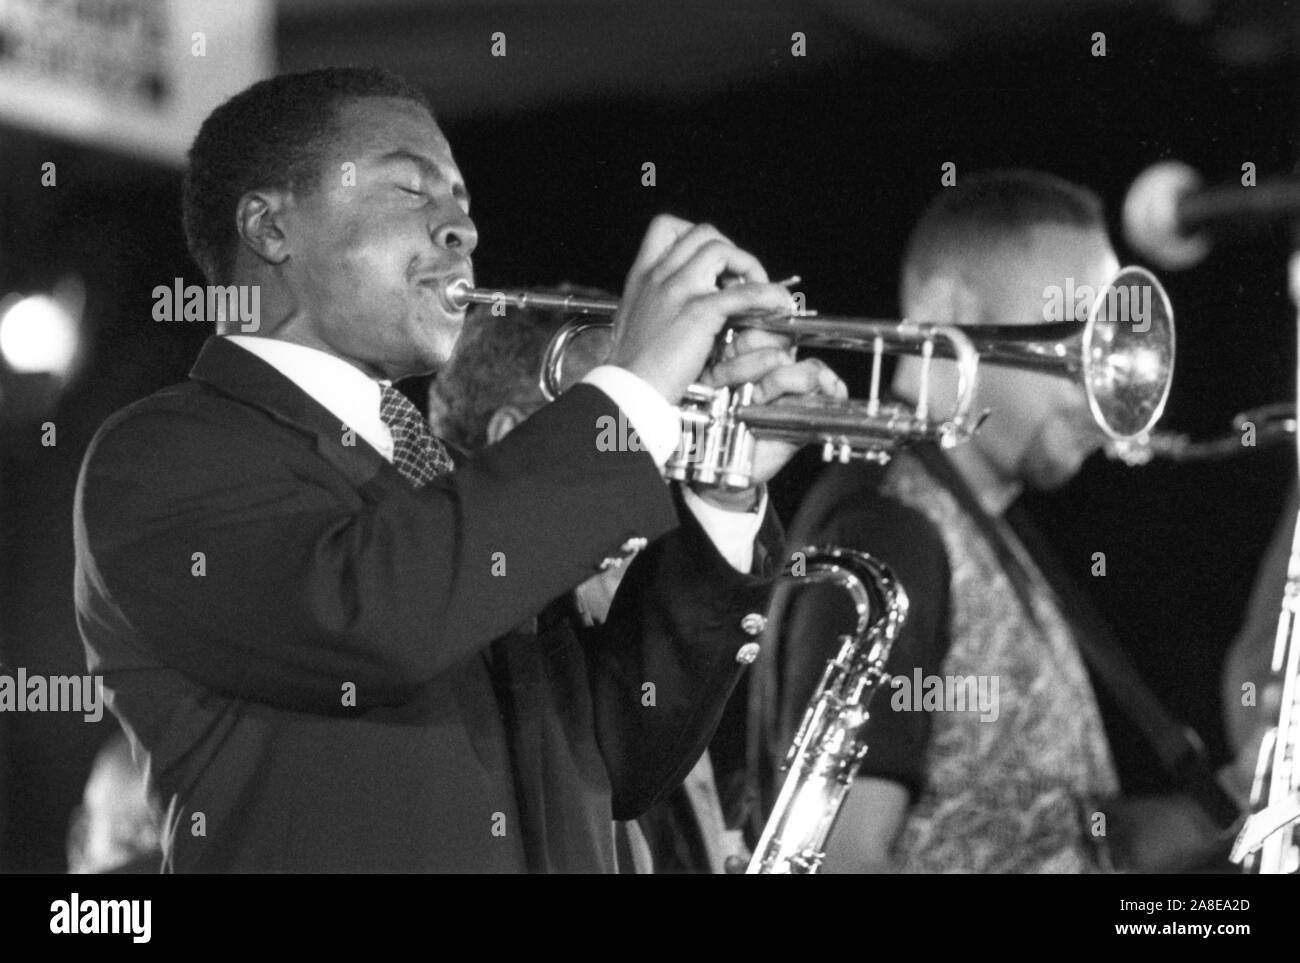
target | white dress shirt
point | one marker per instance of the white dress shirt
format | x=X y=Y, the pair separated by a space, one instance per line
x=353 y=397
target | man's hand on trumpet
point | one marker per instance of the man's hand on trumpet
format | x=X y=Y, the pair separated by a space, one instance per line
x=672 y=312
x=767 y=360
x=672 y=309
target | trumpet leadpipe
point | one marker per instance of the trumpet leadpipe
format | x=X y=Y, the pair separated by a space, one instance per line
x=460 y=294
x=809 y=328
x=1052 y=347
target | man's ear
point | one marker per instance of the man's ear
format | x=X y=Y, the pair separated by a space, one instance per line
x=259 y=219
x=503 y=421
x=942 y=298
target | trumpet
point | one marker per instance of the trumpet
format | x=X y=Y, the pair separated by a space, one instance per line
x=1124 y=363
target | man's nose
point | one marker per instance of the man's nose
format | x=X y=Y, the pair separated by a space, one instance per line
x=456 y=233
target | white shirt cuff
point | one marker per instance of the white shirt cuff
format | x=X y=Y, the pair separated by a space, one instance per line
x=732 y=533
x=656 y=423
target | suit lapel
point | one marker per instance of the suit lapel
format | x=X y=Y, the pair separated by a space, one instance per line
x=242 y=375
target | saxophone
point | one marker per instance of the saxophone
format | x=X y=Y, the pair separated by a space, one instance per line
x=1268 y=842
x=824 y=757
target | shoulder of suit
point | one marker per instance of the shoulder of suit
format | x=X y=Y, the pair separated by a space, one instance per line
x=175 y=415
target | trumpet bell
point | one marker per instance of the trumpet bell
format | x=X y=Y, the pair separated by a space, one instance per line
x=1123 y=356
x=1127 y=354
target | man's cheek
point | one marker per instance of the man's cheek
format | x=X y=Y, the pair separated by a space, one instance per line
x=1066 y=445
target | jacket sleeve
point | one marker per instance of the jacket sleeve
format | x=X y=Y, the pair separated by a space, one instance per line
x=218 y=543
x=665 y=661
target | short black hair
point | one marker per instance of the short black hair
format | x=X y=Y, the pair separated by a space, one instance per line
x=269 y=136
x=497 y=362
x=992 y=207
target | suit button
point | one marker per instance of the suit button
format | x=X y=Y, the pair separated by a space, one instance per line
x=747 y=653
x=735 y=865
x=626 y=551
x=754 y=623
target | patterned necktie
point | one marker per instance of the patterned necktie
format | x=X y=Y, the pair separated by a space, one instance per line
x=417 y=453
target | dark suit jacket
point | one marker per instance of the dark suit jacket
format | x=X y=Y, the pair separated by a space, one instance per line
x=319 y=689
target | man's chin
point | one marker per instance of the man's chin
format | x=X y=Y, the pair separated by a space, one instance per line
x=1048 y=470
x=429 y=355
x=427 y=365
x=440 y=340
x=1048 y=476
x=1057 y=454
x=422 y=362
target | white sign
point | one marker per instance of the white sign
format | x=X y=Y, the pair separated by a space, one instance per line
x=133 y=75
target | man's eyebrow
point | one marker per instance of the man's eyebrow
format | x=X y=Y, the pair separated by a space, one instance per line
x=427 y=167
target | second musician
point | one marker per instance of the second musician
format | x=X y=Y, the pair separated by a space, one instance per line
x=1014 y=772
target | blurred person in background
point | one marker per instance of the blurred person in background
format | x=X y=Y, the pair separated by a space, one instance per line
x=489 y=387
x=1025 y=784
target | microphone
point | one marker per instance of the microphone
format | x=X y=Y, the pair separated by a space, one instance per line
x=1170 y=217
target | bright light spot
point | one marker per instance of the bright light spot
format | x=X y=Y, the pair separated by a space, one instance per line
x=1140 y=365
x=1146 y=364
x=39 y=336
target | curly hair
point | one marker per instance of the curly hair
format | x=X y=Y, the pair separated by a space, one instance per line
x=496 y=363
x=271 y=135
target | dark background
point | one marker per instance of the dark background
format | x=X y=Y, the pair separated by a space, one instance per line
x=818 y=165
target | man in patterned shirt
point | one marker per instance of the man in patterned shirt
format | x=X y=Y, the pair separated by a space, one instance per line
x=987 y=751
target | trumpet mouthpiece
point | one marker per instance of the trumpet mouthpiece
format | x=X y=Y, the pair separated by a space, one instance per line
x=455 y=294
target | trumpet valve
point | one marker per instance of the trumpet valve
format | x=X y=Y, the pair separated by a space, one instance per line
x=923 y=394
x=738 y=442
x=696 y=413
x=877 y=355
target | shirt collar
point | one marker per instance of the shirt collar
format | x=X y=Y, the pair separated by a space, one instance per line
x=341 y=388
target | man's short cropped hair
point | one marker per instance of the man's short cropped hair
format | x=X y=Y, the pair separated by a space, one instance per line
x=271 y=135
x=497 y=362
x=989 y=209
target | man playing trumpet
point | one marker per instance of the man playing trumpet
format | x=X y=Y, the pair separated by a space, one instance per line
x=317 y=622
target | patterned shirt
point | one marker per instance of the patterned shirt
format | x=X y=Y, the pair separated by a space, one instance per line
x=1018 y=793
